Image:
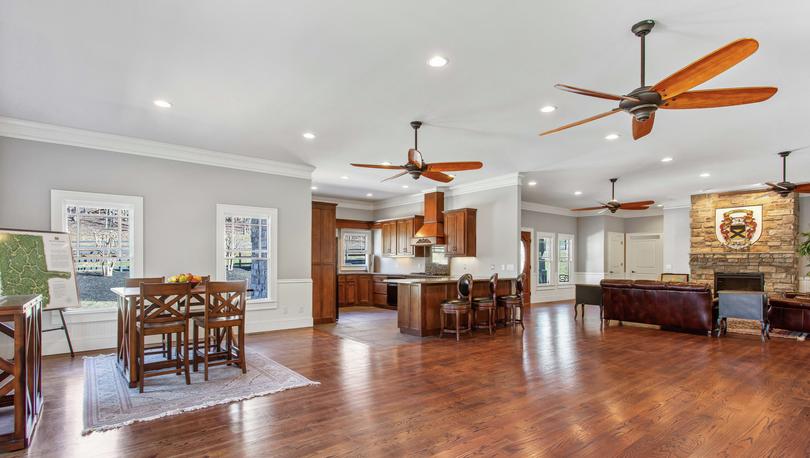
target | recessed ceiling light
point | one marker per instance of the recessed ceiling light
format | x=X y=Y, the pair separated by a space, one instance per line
x=548 y=109
x=404 y=186
x=437 y=61
x=577 y=193
x=368 y=194
x=308 y=135
x=314 y=188
x=611 y=136
x=705 y=175
x=162 y=103
x=532 y=183
x=666 y=159
x=386 y=163
x=344 y=177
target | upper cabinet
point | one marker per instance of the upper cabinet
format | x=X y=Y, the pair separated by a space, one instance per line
x=459 y=231
x=397 y=234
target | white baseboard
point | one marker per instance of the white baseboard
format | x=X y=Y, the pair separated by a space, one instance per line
x=97 y=329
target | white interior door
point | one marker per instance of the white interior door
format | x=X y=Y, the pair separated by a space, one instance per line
x=615 y=255
x=644 y=256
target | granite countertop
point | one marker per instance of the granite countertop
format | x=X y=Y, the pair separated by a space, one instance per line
x=426 y=280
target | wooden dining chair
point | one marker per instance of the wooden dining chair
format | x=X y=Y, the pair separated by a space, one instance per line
x=163 y=309
x=165 y=342
x=225 y=303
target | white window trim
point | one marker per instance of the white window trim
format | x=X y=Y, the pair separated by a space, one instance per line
x=271 y=214
x=60 y=198
x=571 y=256
x=369 y=250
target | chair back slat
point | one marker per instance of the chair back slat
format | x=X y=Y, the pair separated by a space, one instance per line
x=225 y=299
x=163 y=302
x=136 y=282
x=519 y=284
x=493 y=285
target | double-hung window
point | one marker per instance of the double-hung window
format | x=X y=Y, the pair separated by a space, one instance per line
x=355 y=248
x=555 y=259
x=246 y=248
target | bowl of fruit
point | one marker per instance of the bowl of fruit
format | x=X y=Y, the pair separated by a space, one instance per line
x=192 y=280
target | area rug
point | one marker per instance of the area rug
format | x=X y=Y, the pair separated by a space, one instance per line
x=752 y=328
x=109 y=403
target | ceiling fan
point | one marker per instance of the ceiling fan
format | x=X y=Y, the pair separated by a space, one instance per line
x=785 y=187
x=416 y=167
x=673 y=92
x=612 y=205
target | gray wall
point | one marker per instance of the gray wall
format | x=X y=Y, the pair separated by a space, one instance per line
x=644 y=224
x=677 y=240
x=179 y=201
x=591 y=244
x=547 y=222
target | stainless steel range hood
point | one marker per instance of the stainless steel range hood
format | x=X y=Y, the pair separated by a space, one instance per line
x=432 y=230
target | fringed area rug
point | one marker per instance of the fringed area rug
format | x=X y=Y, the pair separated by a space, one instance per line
x=109 y=403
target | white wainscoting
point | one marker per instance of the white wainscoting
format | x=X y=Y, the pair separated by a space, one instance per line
x=804 y=284
x=553 y=293
x=97 y=329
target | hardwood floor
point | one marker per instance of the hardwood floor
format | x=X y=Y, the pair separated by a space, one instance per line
x=559 y=388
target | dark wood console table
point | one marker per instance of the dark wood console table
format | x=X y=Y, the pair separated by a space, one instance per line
x=20 y=377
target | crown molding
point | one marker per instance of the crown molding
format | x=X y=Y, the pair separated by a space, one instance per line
x=345 y=203
x=502 y=181
x=400 y=200
x=543 y=208
x=49 y=133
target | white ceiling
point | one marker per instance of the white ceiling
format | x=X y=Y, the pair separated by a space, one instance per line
x=250 y=77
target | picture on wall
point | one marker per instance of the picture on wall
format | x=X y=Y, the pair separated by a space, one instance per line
x=738 y=227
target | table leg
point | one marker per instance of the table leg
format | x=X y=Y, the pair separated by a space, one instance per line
x=133 y=344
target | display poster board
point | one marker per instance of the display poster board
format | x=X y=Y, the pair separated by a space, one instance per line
x=38 y=262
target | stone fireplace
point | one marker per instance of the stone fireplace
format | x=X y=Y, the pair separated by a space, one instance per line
x=774 y=254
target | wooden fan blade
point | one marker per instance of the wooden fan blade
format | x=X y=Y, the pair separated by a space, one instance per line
x=574 y=124
x=395 y=176
x=712 y=98
x=588 y=208
x=588 y=92
x=803 y=188
x=706 y=68
x=376 y=166
x=640 y=203
x=776 y=186
x=438 y=176
x=415 y=157
x=642 y=128
x=453 y=166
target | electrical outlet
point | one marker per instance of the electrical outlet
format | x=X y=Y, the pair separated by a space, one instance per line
x=492 y=267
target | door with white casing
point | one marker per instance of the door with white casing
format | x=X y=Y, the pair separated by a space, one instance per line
x=644 y=256
x=615 y=255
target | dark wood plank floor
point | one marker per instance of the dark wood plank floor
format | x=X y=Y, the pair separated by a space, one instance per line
x=561 y=388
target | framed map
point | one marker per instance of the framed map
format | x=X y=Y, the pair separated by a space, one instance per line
x=38 y=262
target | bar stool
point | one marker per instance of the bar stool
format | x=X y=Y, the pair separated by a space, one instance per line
x=513 y=304
x=458 y=308
x=486 y=304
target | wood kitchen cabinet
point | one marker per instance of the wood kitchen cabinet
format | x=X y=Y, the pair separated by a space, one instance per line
x=354 y=289
x=459 y=232
x=324 y=259
x=397 y=235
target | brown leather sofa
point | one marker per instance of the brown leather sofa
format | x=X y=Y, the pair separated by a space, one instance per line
x=673 y=305
x=791 y=312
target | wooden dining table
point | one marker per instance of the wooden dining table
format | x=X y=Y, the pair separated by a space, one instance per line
x=127 y=341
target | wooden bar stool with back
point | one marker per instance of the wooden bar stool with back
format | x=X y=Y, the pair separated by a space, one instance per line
x=458 y=308
x=163 y=309
x=486 y=304
x=513 y=304
x=136 y=283
x=224 y=310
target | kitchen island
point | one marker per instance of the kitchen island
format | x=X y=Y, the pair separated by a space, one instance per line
x=419 y=300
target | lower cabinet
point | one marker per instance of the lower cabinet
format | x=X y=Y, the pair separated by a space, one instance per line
x=354 y=289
